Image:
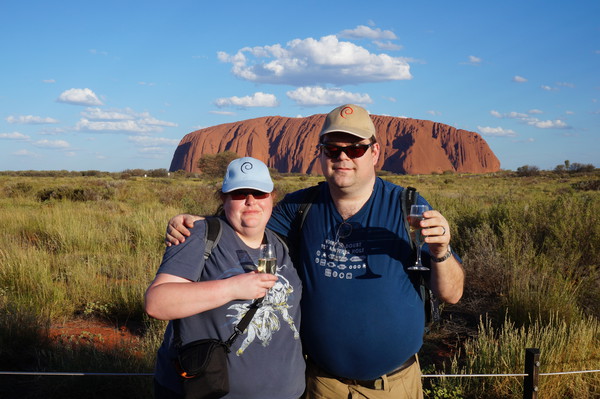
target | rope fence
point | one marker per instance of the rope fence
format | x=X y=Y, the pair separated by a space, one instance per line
x=530 y=376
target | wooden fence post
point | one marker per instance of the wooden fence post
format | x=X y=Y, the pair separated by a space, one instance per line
x=532 y=369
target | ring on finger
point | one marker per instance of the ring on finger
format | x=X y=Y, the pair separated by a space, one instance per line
x=443 y=230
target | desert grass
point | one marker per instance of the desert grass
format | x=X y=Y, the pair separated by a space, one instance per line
x=87 y=247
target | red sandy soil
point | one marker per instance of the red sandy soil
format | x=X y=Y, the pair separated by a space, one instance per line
x=101 y=335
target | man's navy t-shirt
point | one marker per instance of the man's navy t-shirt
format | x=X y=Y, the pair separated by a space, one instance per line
x=361 y=315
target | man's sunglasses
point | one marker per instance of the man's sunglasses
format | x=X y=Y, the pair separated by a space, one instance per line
x=239 y=195
x=353 y=151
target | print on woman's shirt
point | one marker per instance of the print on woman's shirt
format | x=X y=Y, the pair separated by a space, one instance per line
x=266 y=321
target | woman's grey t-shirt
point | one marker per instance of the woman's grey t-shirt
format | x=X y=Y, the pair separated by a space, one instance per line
x=266 y=360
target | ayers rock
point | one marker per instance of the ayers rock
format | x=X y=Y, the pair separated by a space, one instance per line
x=410 y=146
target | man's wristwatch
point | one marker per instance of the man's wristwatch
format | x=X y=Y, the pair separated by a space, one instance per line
x=443 y=258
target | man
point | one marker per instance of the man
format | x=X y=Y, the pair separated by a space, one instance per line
x=362 y=318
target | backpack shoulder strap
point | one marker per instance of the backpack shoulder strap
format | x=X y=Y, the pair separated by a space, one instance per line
x=431 y=303
x=211 y=239
x=212 y=236
x=309 y=198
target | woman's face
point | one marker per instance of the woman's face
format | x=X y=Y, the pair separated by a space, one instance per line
x=248 y=211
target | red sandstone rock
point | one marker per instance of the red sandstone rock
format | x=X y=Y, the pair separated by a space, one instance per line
x=409 y=146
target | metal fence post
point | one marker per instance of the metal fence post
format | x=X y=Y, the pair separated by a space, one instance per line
x=532 y=369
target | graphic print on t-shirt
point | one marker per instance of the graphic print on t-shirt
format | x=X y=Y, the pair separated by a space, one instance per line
x=343 y=257
x=267 y=321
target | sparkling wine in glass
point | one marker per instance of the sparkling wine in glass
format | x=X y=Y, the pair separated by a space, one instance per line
x=414 y=220
x=267 y=260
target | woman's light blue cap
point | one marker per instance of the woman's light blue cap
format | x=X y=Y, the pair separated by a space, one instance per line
x=248 y=173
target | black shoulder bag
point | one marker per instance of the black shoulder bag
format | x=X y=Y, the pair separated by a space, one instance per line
x=203 y=363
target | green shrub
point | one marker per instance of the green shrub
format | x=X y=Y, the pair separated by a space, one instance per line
x=215 y=165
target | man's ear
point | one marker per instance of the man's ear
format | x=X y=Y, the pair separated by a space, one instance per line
x=376 y=151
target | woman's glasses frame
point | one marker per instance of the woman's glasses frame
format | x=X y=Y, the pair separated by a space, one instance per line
x=241 y=195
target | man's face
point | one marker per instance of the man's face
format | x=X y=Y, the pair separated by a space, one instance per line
x=345 y=172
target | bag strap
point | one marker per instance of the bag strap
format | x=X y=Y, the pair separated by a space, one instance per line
x=211 y=240
x=430 y=301
x=309 y=198
x=213 y=235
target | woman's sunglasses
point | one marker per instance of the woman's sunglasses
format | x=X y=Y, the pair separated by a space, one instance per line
x=353 y=151
x=239 y=195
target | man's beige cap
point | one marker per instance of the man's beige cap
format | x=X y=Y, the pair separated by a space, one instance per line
x=350 y=119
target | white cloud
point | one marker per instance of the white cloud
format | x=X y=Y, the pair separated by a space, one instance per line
x=79 y=97
x=549 y=124
x=532 y=121
x=52 y=131
x=258 y=99
x=146 y=119
x=519 y=79
x=221 y=112
x=120 y=120
x=387 y=45
x=152 y=150
x=14 y=136
x=566 y=84
x=309 y=61
x=145 y=141
x=496 y=131
x=55 y=144
x=98 y=52
x=548 y=88
x=115 y=126
x=509 y=115
x=109 y=115
x=25 y=153
x=49 y=81
x=434 y=113
x=30 y=120
x=314 y=95
x=474 y=60
x=535 y=111
x=364 y=32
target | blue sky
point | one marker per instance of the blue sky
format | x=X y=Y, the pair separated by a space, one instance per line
x=115 y=85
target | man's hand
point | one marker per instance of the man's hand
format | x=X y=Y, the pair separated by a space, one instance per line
x=448 y=277
x=177 y=228
x=437 y=233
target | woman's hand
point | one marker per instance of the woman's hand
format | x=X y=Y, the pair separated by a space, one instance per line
x=171 y=297
x=250 y=285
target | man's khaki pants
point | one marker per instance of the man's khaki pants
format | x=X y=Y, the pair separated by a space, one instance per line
x=405 y=384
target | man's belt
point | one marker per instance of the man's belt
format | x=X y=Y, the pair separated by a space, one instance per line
x=377 y=383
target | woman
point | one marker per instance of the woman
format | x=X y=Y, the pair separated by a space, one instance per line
x=266 y=360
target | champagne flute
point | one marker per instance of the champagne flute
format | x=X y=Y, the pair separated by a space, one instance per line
x=267 y=260
x=414 y=220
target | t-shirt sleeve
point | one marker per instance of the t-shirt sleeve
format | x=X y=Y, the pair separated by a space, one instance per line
x=185 y=260
x=284 y=213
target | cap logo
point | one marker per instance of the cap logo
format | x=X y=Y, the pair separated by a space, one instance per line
x=246 y=167
x=346 y=111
